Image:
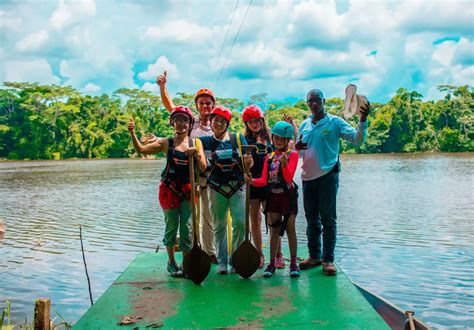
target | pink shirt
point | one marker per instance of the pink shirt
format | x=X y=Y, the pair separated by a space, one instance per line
x=288 y=171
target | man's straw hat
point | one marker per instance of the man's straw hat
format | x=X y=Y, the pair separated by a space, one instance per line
x=353 y=102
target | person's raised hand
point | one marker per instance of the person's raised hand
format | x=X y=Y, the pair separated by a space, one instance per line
x=364 y=111
x=284 y=160
x=131 y=125
x=161 y=79
x=288 y=119
x=300 y=145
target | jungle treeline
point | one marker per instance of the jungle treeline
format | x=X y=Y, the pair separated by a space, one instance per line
x=49 y=121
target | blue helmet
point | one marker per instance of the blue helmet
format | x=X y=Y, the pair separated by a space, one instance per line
x=283 y=129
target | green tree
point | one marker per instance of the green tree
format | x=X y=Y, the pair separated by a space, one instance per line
x=42 y=121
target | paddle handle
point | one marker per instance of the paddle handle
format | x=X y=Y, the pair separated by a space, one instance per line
x=411 y=323
x=193 y=197
x=247 y=201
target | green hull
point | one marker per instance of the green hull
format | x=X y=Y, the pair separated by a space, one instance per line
x=146 y=291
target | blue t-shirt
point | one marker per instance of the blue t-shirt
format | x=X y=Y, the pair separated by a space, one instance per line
x=323 y=143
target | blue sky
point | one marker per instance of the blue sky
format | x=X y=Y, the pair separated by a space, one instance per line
x=283 y=48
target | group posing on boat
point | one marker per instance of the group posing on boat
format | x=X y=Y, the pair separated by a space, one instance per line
x=222 y=177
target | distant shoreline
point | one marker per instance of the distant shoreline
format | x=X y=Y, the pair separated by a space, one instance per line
x=5 y=160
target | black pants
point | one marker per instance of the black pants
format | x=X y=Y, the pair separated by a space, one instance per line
x=319 y=200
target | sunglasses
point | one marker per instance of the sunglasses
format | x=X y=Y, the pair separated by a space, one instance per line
x=205 y=103
x=184 y=120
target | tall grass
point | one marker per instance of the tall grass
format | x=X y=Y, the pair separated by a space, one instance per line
x=6 y=315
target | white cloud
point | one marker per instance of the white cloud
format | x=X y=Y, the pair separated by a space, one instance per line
x=312 y=63
x=462 y=75
x=37 y=70
x=452 y=75
x=283 y=48
x=161 y=64
x=79 y=38
x=277 y=62
x=112 y=71
x=64 y=68
x=9 y=23
x=416 y=46
x=151 y=87
x=440 y=16
x=317 y=24
x=464 y=53
x=180 y=31
x=444 y=52
x=92 y=88
x=33 y=41
x=71 y=12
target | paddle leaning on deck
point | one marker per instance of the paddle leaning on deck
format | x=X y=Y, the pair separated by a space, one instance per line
x=196 y=263
x=246 y=258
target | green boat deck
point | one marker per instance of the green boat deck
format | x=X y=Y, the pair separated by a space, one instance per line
x=145 y=290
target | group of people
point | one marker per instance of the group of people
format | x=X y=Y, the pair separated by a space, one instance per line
x=221 y=178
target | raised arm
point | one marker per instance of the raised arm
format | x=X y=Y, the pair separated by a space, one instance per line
x=152 y=148
x=289 y=119
x=356 y=136
x=165 y=97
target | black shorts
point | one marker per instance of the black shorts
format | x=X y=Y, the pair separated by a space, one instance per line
x=260 y=193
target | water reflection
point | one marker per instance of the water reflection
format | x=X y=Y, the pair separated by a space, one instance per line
x=405 y=230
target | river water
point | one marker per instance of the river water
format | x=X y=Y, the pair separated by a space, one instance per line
x=405 y=229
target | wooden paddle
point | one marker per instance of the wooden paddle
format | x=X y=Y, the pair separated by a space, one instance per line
x=246 y=258
x=196 y=263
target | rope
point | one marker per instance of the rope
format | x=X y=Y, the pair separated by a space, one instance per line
x=233 y=42
x=223 y=42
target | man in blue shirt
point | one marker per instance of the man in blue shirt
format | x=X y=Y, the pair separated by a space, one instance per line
x=319 y=145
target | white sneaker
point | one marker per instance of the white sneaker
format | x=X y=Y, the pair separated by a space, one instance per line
x=222 y=269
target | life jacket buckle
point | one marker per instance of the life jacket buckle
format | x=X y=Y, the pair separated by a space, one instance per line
x=261 y=151
x=178 y=161
x=226 y=167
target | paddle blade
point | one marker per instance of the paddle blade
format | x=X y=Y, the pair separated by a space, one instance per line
x=196 y=265
x=246 y=259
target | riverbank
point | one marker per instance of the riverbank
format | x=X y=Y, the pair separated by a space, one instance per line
x=155 y=157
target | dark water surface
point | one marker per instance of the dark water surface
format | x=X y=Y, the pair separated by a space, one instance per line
x=405 y=230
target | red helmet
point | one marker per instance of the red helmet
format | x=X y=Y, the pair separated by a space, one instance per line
x=223 y=112
x=182 y=110
x=205 y=91
x=252 y=111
